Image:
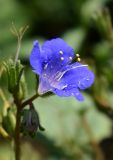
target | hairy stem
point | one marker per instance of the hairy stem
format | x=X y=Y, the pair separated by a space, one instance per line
x=17 y=128
x=18 y=49
x=28 y=101
x=20 y=106
x=17 y=134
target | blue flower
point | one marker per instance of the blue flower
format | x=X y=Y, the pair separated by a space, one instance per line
x=53 y=63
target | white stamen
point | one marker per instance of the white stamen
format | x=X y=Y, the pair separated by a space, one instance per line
x=64 y=86
x=61 y=75
x=62 y=58
x=70 y=58
x=61 y=52
x=45 y=66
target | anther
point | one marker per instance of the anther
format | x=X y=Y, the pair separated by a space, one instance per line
x=61 y=52
x=70 y=58
x=77 y=55
x=78 y=59
x=62 y=58
x=45 y=66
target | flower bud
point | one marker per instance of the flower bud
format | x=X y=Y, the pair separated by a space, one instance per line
x=104 y=24
x=16 y=81
x=30 y=121
x=9 y=122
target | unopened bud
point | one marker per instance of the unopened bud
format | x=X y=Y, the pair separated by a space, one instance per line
x=16 y=81
x=30 y=121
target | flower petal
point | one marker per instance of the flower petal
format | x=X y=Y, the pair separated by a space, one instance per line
x=55 y=54
x=69 y=91
x=60 y=50
x=76 y=75
x=44 y=86
x=35 y=58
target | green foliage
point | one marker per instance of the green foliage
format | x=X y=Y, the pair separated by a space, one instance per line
x=16 y=80
x=9 y=122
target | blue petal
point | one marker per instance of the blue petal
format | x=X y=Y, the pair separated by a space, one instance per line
x=52 y=56
x=69 y=91
x=61 y=51
x=75 y=75
x=55 y=54
x=44 y=86
x=35 y=58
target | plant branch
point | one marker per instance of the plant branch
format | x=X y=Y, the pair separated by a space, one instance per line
x=18 y=49
x=28 y=101
x=17 y=130
x=20 y=106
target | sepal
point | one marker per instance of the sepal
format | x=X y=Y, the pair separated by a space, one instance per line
x=16 y=79
x=30 y=122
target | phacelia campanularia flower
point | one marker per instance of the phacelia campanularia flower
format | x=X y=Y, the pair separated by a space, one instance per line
x=53 y=63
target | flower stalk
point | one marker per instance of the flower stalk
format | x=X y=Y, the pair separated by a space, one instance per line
x=17 y=134
x=28 y=101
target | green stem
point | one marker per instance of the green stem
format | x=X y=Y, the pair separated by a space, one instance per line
x=18 y=49
x=28 y=101
x=20 y=106
x=17 y=134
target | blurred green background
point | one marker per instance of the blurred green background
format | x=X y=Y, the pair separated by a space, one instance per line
x=74 y=130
